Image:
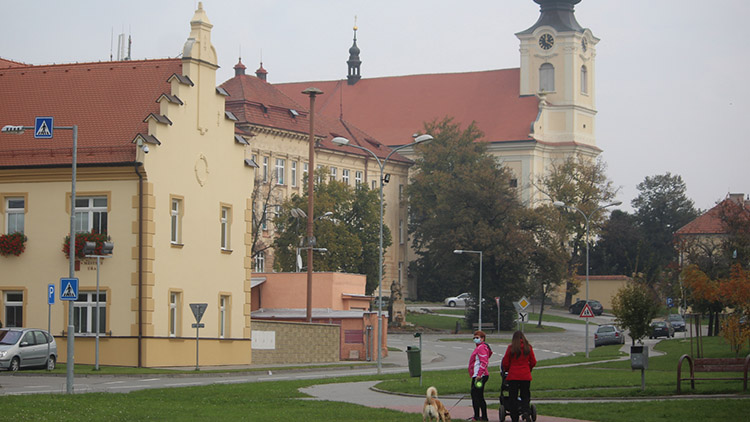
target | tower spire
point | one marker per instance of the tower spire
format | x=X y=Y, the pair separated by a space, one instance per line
x=354 y=62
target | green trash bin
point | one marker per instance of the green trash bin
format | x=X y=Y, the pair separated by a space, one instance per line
x=414 y=357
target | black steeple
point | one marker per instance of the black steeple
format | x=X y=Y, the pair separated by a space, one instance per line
x=354 y=62
x=559 y=14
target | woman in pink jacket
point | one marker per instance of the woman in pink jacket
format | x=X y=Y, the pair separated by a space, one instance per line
x=478 y=362
x=518 y=362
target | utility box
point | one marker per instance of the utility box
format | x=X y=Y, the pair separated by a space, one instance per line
x=639 y=357
x=415 y=361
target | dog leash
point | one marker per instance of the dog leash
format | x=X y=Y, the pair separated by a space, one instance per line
x=459 y=401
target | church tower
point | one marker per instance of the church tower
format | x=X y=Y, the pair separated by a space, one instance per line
x=354 y=62
x=558 y=65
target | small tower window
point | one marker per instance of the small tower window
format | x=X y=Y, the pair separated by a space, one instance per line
x=546 y=78
x=584 y=80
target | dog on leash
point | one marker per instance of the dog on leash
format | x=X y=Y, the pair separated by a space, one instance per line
x=433 y=408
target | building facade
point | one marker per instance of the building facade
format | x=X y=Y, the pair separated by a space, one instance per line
x=161 y=174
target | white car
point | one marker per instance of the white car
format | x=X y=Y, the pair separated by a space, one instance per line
x=460 y=300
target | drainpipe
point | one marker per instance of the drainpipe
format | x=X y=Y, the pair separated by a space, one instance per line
x=140 y=264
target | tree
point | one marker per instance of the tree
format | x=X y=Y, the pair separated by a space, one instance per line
x=634 y=307
x=661 y=208
x=618 y=249
x=459 y=198
x=581 y=182
x=549 y=260
x=351 y=235
x=265 y=199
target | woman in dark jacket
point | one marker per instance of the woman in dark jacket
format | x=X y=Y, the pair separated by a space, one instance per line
x=518 y=362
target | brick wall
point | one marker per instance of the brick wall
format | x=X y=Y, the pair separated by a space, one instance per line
x=292 y=342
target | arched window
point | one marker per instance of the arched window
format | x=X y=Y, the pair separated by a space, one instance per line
x=584 y=80
x=547 y=78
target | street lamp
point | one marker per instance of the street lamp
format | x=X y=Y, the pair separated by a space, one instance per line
x=70 y=363
x=479 y=301
x=312 y=92
x=560 y=204
x=381 y=163
x=89 y=250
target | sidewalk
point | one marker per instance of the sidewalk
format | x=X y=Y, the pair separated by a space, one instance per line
x=361 y=393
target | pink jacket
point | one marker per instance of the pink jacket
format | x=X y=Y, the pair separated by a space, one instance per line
x=479 y=360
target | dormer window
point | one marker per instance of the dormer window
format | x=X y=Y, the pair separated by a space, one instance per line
x=294 y=112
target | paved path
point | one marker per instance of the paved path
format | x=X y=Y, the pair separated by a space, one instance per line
x=362 y=393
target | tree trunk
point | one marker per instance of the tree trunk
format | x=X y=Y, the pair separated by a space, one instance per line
x=541 y=310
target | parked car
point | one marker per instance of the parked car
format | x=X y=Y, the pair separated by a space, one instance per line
x=608 y=334
x=596 y=307
x=27 y=347
x=677 y=322
x=461 y=300
x=661 y=329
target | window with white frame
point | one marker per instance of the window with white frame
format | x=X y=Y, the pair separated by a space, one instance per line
x=176 y=213
x=226 y=218
x=91 y=214
x=345 y=176
x=400 y=272
x=260 y=262
x=305 y=169
x=357 y=178
x=294 y=173
x=15 y=209
x=223 y=311
x=401 y=232
x=280 y=171
x=85 y=315
x=13 y=309
x=547 y=78
x=265 y=169
x=334 y=173
x=174 y=313
x=584 y=80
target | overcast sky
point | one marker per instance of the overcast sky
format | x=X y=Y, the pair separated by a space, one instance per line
x=671 y=75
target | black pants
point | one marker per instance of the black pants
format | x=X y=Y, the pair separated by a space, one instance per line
x=477 y=398
x=514 y=387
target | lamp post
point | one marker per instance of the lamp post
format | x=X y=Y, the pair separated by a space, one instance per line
x=381 y=163
x=479 y=301
x=560 y=204
x=70 y=364
x=89 y=249
x=312 y=92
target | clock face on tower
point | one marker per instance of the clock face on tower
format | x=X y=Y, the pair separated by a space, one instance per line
x=546 y=41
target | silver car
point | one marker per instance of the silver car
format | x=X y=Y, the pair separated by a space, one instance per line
x=461 y=300
x=27 y=347
x=608 y=334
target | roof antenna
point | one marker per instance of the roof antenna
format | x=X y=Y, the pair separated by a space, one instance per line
x=130 y=42
x=111 y=42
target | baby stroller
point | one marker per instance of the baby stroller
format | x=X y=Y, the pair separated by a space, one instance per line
x=505 y=402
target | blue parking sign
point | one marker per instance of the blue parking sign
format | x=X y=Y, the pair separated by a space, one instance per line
x=50 y=294
x=670 y=303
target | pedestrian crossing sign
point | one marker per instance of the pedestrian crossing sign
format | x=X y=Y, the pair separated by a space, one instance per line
x=43 y=127
x=586 y=312
x=68 y=289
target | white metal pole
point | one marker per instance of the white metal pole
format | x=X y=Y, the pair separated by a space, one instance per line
x=480 y=290
x=587 y=284
x=96 y=365
x=70 y=362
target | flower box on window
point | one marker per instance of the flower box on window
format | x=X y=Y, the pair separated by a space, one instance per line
x=12 y=244
x=81 y=239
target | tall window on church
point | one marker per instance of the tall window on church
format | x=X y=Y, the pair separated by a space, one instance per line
x=584 y=80
x=547 y=78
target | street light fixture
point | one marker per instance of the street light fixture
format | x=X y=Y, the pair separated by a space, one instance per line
x=560 y=204
x=479 y=301
x=381 y=163
x=70 y=363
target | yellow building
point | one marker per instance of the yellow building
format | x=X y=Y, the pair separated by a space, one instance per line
x=161 y=172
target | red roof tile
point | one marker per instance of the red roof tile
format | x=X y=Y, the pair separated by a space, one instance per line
x=4 y=63
x=108 y=101
x=708 y=223
x=257 y=102
x=393 y=108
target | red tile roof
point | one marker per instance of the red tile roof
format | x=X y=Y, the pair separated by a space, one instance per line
x=710 y=222
x=393 y=108
x=107 y=100
x=4 y=63
x=259 y=103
